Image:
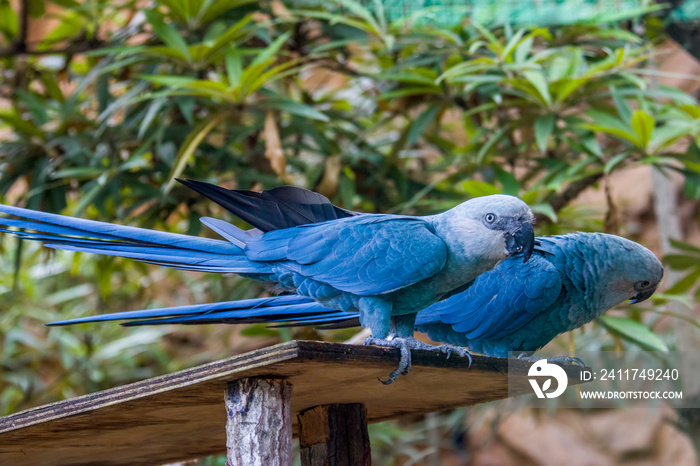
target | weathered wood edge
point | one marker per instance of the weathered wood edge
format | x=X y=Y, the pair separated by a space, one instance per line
x=147 y=387
x=236 y=367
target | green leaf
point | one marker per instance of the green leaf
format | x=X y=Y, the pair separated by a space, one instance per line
x=544 y=125
x=191 y=143
x=234 y=67
x=177 y=8
x=228 y=37
x=421 y=123
x=537 y=79
x=20 y=125
x=8 y=21
x=410 y=91
x=612 y=163
x=36 y=107
x=684 y=246
x=512 y=43
x=37 y=8
x=479 y=188
x=362 y=12
x=617 y=132
x=623 y=109
x=173 y=81
x=251 y=82
x=168 y=35
x=412 y=78
x=633 y=332
x=81 y=172
x=643 y=125
x=272 y=50
x=296 y=108
x=681 y=262
x=508 y=181
x=686 y=283
x=495 y=137
x=151 y=113
x=212 y=10
x=546 y=210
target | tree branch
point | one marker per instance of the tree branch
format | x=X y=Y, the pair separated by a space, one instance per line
x=21 y=41
x=570 y=193
x=78 y=47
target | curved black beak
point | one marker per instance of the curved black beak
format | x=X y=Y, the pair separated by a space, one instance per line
x=521 y=240
x=642 y=296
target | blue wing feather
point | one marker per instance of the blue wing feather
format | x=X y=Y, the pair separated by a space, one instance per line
x=362 y=255
x=496 y=304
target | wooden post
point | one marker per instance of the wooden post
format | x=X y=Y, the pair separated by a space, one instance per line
x=259 y=422
x=334 y=435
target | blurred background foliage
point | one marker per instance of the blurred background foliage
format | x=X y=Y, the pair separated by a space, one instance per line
x=105 y=102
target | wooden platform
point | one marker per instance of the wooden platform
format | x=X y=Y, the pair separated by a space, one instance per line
x=181 y=415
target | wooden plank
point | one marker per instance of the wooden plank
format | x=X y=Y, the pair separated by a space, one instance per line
x=334 y=435
x=181 y=415
x=258 y=422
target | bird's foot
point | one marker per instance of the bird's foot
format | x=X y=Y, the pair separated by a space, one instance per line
x=406 y=345
x=449 y=350
x=559 y=360
x=405 y=360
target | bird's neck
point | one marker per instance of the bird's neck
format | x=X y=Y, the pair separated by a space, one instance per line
x=589 y=274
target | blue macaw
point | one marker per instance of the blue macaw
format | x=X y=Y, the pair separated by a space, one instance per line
x=519 y=307
x=385 y=267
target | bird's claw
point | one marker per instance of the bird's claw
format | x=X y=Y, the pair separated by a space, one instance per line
x=404 y=362
x=559 y=360
x=566 y=360
x=458 y=350
x=406 y=345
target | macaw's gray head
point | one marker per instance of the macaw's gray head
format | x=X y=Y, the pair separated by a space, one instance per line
x=498 y=218
x=643 y=270
x=632 y=271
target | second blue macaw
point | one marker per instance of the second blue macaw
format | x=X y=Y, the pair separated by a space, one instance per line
x=518 y=306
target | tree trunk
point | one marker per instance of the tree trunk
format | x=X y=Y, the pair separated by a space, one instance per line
x=259 y=423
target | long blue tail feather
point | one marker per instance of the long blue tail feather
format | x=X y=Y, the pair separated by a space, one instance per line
x=294 y=309
x=162 y=248
x=95 y=229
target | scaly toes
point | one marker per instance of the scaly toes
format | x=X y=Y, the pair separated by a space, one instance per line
x=567 y=360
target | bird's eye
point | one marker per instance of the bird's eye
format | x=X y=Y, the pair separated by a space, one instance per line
x=489 y=218
x=641 y=285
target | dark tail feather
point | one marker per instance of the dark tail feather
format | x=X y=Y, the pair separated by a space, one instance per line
x=285 y=310
x=283 y=207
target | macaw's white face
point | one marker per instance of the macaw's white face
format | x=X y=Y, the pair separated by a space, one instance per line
x=502 y=223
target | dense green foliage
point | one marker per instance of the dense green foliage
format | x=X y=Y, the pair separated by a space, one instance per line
x=114 y=103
